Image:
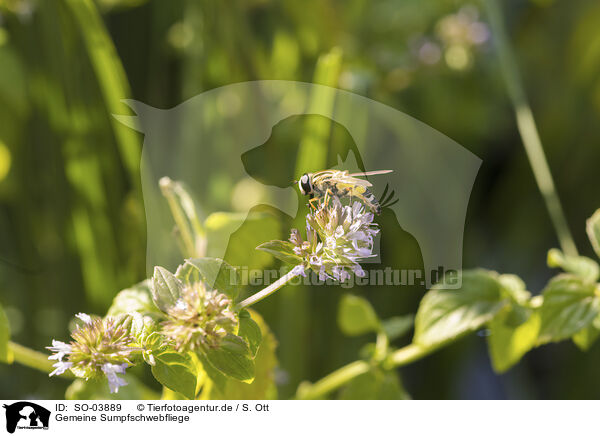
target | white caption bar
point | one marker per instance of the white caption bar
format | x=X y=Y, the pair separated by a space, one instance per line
x=298 y=417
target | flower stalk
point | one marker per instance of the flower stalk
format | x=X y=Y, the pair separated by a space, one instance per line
x=272 y=288
x=33 y=359
x=347 y=373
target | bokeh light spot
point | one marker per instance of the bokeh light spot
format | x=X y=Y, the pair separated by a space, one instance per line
x=5 y=161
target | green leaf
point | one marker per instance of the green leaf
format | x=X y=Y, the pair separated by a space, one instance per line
x=507 y=343
x=218 y=380
x=218 y=274
x=232 y=358
x=515 y=288
x=586 y=337
x=263 y=386
x=166 y=289
x=580 y=266
x=593 y=231
x=97 y=389
x=6 y=355
x=138 y=299
x=144 y=330
x=250 y=331
x=397 y=326
x=374 y=385
x=142 y=326
x=570 y=304
x=356 y=316
x=177 y=371
x=282 y=250
x=184 y=273
x=446 y=314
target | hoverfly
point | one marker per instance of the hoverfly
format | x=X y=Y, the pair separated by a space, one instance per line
x=343 y=185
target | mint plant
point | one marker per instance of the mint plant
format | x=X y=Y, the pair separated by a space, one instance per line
x=567 y=308
x=201 y=340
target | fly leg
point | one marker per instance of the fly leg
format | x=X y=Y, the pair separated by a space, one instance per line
x=328 y=194
x=311 y=202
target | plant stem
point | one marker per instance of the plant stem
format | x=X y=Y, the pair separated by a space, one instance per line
x=332 y=381
x=193 y=237
x=406 y=355
x=345 y=374
x=528 y=130
x=33 y=359
x=272 y=288
x=381 y=346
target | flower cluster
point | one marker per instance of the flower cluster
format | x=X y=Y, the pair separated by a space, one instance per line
x=337 y=238
x=200 y=318
x=100 y=347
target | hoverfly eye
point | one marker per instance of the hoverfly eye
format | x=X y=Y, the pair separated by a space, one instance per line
x=304 y=185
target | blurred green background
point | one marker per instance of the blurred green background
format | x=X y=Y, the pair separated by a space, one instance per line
x=72 y=223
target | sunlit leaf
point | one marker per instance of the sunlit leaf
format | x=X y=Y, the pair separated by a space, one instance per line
x=137 y=298
x=515 y=287
x=570 y=305
x=586 y=337
x=580 y=266
x=445 y=314
x=282 y=250
x=507 y=342
x=233 y=358
x=265 y=362
x=177 y=371
x=166 y=289
x=250 y=331
x=218 y=274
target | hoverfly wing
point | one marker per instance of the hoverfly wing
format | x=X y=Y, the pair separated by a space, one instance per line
x=349 y=180
x=371 y=173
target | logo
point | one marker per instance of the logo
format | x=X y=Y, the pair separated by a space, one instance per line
x=240 y=131
x=26 y=415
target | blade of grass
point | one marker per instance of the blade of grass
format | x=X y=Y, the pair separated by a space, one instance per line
x=312 y=155
x=528 y=129
x=111 y=77
x=70 y=116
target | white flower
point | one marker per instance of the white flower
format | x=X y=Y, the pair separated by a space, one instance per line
x=60 y=367
x=348 y=235
x=314 y=259
x=84 y=317
x=299 y=270
x=99 y=347
x=199 y=319
x=60 y=348
x=114 y=382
